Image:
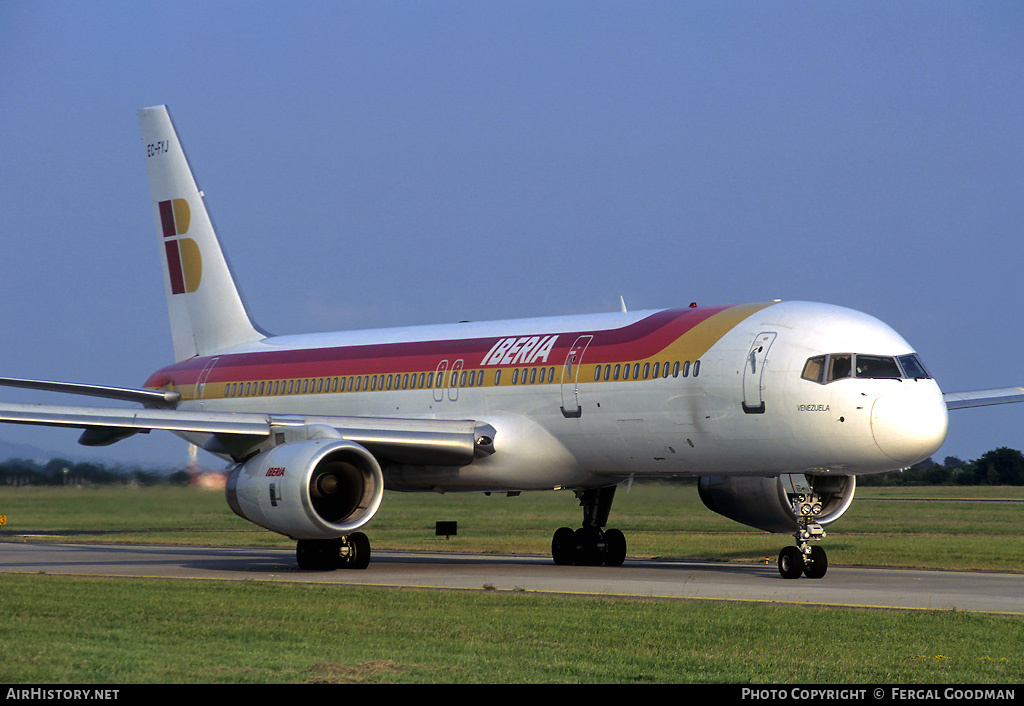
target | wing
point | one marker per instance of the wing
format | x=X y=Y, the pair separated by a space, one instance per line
x=981 y=398
x=436 y=442
x=147 y=398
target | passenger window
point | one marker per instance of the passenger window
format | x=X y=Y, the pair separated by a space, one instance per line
x=814 y=368
x=686 y=369
x=615 y=374
x=657 y=370
x=625 y=372
x=636 y=371
x=675 y=369
x=647 y=370
x=696 y=368
x=533 y=375
x=497 y=377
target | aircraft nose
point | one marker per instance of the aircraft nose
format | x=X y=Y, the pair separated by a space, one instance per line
x=909 y=423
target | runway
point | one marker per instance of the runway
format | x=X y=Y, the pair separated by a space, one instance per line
x=650 y=579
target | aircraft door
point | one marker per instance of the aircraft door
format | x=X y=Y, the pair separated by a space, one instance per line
x=439 y=376
x=453 y=385
x=753 y=372
x=201 y=380
x=570 y=377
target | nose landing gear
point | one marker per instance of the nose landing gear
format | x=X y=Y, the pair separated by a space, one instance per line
x=805 y=558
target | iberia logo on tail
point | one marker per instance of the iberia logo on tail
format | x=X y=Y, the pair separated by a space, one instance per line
x=184 y=262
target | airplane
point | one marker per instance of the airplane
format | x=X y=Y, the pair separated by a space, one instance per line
x=775 y=407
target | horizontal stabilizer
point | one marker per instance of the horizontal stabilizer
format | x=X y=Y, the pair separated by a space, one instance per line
x=982 y=398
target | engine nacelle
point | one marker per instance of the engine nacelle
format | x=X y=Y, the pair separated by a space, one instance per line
x=768 y=503
x=313 y=489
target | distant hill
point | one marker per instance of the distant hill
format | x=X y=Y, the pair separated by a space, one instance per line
x=27 y=451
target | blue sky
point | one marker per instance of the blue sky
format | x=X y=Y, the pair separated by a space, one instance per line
x=388 y=163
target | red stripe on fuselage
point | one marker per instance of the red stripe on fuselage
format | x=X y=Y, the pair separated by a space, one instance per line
x=639 y=340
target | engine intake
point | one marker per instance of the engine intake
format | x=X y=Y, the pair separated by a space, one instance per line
x=314 y=489
x=769 y=503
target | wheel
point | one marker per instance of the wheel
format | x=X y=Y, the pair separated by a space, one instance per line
x=305 y=555
x=588 y=553
x=317 y=554
x=818 y=564
x=791 y=563
x=563 y=546
x=359 y=548
x=614 y=548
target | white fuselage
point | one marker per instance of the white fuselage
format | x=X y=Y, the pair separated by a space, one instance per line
x=748 y=410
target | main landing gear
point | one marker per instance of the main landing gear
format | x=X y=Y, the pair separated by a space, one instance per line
x=804 y=558
x=590 y=545
x=351 y=552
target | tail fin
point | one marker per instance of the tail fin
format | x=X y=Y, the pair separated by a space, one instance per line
x=207 y=311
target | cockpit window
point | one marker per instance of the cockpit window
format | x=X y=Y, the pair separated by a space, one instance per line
x=839 y=366
x=836 y=366
x=877 y=366
x=912 y=367
x=813 y=368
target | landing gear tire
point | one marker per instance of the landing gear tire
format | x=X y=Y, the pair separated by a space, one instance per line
x=359 y=552
x=563 y=546
x=588 y=546
x=317 y=554
x=589 y=551
x=816 y=564
x=791 y=563
x=351 y=552
x=614 y=548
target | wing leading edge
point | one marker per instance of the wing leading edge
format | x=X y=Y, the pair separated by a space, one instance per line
x=435 y=442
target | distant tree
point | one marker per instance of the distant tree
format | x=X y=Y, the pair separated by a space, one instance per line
x=1002 y=466
x=953 y=462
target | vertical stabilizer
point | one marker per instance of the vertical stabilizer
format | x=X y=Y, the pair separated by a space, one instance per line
x=207 y=311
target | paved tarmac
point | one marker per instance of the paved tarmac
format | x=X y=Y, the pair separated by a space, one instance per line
x=859 y=587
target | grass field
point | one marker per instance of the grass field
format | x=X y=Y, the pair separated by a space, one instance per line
x=938 y=528
x=87 y=630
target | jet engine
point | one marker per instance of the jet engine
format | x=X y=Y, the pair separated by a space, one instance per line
x=320 y=488
x=770 y=503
